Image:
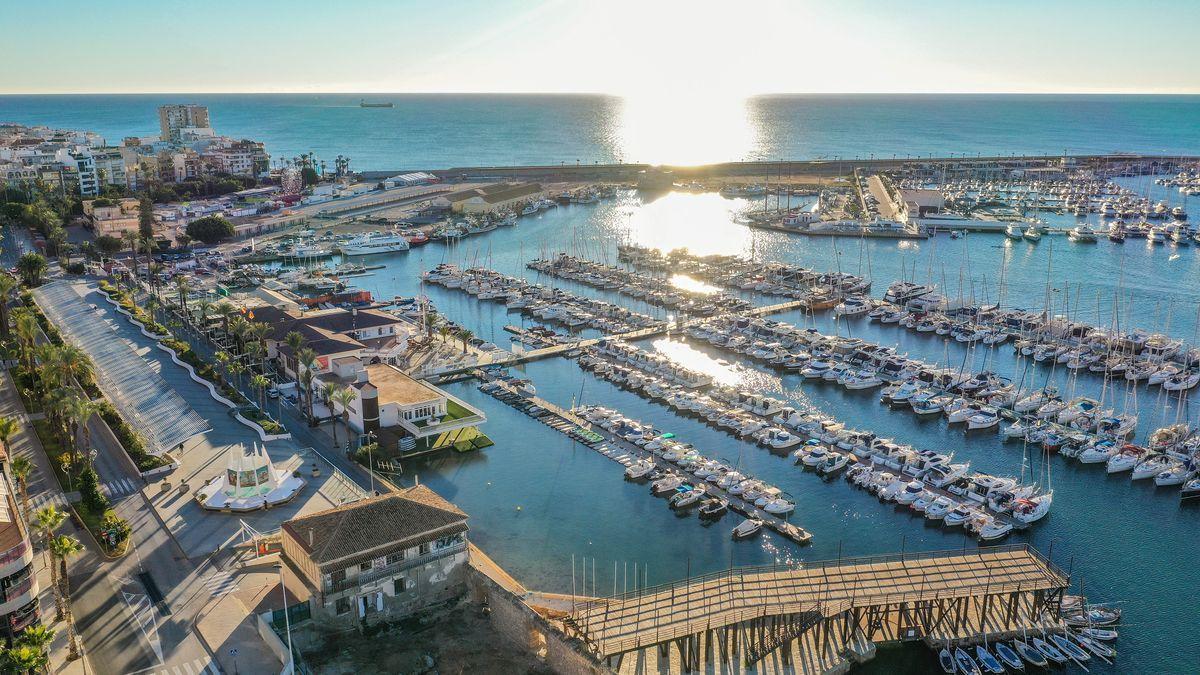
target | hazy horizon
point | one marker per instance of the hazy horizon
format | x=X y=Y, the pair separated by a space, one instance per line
x=647 y=49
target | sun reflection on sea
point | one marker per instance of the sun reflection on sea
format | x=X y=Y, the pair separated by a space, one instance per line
x=701 y=223
x=686 y=283
x=685 y=129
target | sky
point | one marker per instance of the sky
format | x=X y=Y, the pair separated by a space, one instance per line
x=642 y=48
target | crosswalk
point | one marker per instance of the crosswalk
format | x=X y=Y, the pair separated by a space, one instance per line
x=220 y=582
x=202 y=666
x=43 y=499
x=119 y=488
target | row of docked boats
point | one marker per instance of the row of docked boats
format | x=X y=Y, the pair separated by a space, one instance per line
x=736 y=273
x=651 y=289
x=990 y=506
x=548 y=304
x=687 y=478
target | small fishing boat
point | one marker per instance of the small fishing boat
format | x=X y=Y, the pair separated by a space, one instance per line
x=1008 y=656
x=1070 y=648
x=1098 y=648
x=987 y=661
x=947 y=660
x=966 y=664
x=1103 y=634
x=747 y=528
x=1094 y=616
x=1049 y=651
x=1031 y=655
x=682 y=500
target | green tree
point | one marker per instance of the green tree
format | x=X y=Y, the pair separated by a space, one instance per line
x=31 y=266
x=45 y=522
x=62 y=548
x=344 y=396
x=7 y=286
x=145 y=217
x=25 y=659
x=465 y=335
x=21 y=469
x=260 y=384
x=108 y=245
x=89 y=491
x=210 y=229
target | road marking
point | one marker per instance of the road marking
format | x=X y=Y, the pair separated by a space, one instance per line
x=143 y=614
x=46 y=499
x=119 y=487
x=220 y=582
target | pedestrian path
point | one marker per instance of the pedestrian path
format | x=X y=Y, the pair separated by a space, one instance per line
x=201 y=666
x=220 y=582
x=44 y=499
x=115 y=489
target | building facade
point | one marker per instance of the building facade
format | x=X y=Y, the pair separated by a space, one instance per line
x=380 y=558
x=18 y=575
x=173 y=119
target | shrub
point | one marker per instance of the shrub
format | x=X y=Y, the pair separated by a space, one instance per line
x=89 y=491
x=210 y=229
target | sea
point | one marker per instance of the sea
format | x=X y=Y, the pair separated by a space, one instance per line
x=560 y=517
x=437 y=131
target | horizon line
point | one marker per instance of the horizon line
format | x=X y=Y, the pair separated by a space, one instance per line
x=600 y=93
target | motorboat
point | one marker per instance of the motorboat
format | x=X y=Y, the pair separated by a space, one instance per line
x=1082 y=234
x=835 y=462
x=910 y=492
x=1014 y=231
x=713 y=509
x=958 y=515
x=987 y=418
x=683 y=500
x=370 y=243
x=1032 y=233
x=778 y=507
x=939 y=508
x=994 y=529
x=666 y=484
x=747 y=528
x=639 y=470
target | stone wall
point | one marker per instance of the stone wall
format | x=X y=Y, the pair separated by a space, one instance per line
x=518 y=622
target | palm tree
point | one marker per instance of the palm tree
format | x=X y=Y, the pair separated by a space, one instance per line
x=305 y=359
x=294 y=340
x=7 y=286
x=236 y=368
x=31 y=267
x=222 y=358
x=63 y=547
x=343 y=396
x=226 y=311
x=238 y=327
x=130 y=237
x=182 y=288
x=80 y=410
x=465 y=335
x=327 y=389
x=74 y=362
x=204 y=307
x=26 y=327
x=260 y=384
x=21 y=469
x=45 y=522
x=8 y=427
x=444 y=332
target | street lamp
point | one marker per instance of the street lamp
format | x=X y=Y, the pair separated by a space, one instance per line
x=287 y=621
x=371 y=459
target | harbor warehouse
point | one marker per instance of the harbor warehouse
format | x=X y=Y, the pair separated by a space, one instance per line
x=490 y=198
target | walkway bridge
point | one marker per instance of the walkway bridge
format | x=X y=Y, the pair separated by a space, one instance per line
x=957 y=596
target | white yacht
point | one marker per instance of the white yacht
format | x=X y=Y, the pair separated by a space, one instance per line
x=375 y=243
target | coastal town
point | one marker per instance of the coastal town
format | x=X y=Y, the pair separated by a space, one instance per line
x=209 y=401
x=575 y=338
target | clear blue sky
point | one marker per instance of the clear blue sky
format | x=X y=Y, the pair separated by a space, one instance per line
x=617 y=46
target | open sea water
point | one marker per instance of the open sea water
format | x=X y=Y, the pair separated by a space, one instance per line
x=433 y=131
x=536 y=499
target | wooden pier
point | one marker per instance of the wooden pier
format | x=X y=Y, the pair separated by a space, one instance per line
x=833 y=610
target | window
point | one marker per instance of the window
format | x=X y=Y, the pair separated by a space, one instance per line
x=337 y=576
x=394 y=558
x=446 y=542
x=364 y=567
x=400 y=585
x=342 y=605
x=423 y=549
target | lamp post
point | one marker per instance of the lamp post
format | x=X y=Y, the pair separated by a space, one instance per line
x=371 y=459
x=287 y=621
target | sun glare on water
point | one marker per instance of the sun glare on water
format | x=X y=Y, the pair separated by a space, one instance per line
x=684 y=130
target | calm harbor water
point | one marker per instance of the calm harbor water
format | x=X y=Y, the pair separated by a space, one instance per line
x=430 y=131
x=537 y=499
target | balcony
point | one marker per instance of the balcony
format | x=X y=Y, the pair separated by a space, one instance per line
x=377 y=573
